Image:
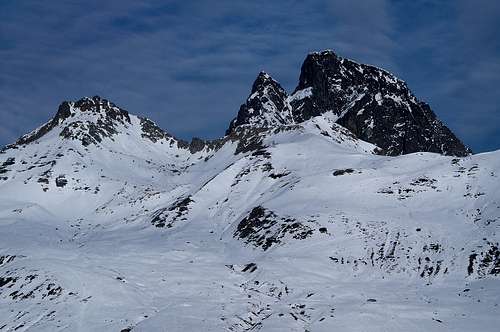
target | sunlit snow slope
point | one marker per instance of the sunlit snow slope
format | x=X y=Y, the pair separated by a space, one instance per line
x=293 y=221
x=296 y=228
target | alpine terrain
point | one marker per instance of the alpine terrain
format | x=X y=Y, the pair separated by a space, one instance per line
x=346 y=205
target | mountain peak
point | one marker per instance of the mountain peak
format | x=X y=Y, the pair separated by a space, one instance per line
x=263 y=75
x=322 y=53
x=263 y=80
x=88 y=119
x=372 y=103
x=266 y=106
x=97 y=104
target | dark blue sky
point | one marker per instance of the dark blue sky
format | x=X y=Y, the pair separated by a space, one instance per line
x=188 y=65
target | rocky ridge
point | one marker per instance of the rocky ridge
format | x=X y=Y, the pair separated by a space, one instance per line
x=373 y=104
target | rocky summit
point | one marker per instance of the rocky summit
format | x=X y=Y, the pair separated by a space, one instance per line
x=267 y=106
x=373 y=104
x=344 y=206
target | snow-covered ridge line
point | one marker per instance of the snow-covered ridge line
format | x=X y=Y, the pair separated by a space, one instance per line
x=388 y=114
x=295 y=220
x=293 y=227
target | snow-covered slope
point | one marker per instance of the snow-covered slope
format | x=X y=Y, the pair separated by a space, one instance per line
x=107 y=223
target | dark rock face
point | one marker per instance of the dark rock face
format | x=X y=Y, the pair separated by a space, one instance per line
x=105 y=118
x=155 y=134
x=4 y=167
x=61 y=181
x=168 y=217
x=97 y=104
x=152 y=132
x=373 y=104
x=266 y=106
x=63 y=112
x=343 y=171
x=263 y=228
x=486 y=262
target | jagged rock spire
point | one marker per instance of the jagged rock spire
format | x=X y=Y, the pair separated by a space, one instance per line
x=373 y=104
x=266 y=106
